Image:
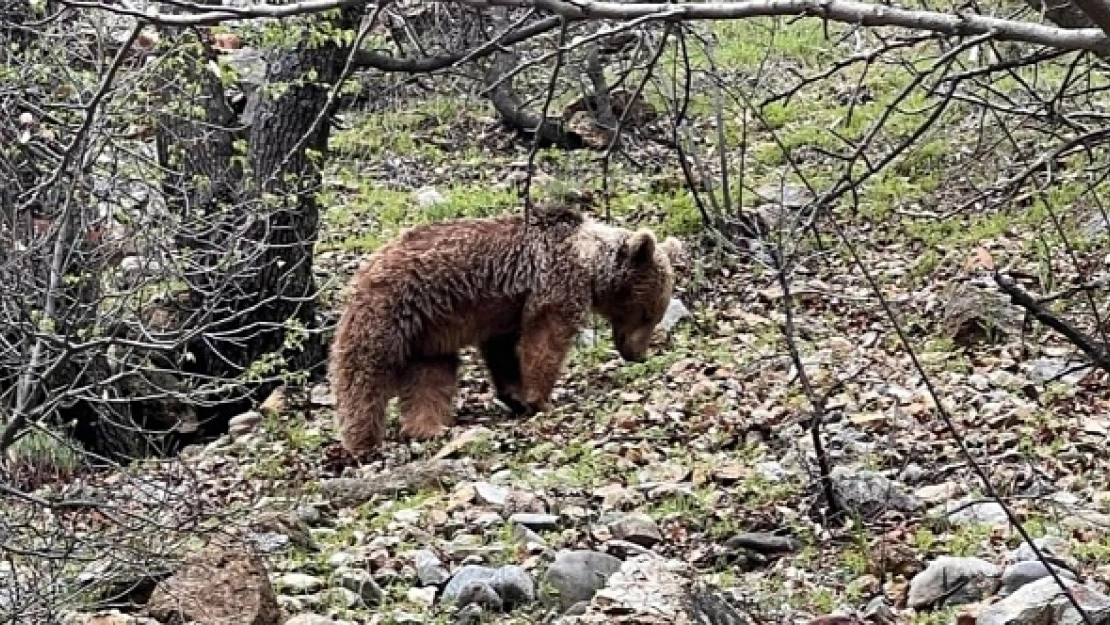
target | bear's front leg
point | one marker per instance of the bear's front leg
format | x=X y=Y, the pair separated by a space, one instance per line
x=503 y=363
x=546 y=339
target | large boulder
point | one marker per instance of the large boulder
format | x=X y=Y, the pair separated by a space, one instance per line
x=575 y=576
x=1043 y=603
x=950 y=581
x=217 y=585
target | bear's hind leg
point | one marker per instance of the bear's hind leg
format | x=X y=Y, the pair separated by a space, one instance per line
x=428 y=397
x=503 y=363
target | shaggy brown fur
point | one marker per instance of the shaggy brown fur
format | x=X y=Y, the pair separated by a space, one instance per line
x=518 y=293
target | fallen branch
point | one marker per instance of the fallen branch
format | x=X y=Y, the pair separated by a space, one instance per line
x=1095 y=351
x=844 y=11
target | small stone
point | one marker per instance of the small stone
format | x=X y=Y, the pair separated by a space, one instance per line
x=1021 y=573
x=490 y=494
x=425 y=596
x=871 y=494
x=309 y=514
x=536 y=522
x=429 y=568
x=676 y=311
x=321 y=395
x=1054 y=548
x=287 y=524
x=617 y=497
x=429 y=196
x=879 y=612
x=298 y=583
x=524 y=536
x=985 y=513
x=638 y=529
x=764 y=543
x=243 y=424
x=487 y=520
x=361 y=582
x=408 y=515
x=341 y=559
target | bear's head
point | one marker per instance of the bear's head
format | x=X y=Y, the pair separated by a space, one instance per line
x=637 y=285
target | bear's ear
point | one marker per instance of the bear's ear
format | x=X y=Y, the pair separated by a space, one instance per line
x=676 y=253
x=640 y=247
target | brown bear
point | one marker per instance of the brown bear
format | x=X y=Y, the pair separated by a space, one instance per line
x=519 y=289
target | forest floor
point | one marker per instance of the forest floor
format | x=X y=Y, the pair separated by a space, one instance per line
x=710 y=437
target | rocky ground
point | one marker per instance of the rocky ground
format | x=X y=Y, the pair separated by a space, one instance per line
x=684 y=489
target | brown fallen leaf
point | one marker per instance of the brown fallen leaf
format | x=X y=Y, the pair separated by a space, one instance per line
x=979 y=259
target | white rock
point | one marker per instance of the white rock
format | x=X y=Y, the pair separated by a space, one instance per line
x=676 y=312
x=428 y=196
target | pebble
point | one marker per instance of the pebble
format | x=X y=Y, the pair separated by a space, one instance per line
x=425 y=596
x=429 y=568
x=636 y=528
x=299 y=583
x=536 y=522
x=362 y=584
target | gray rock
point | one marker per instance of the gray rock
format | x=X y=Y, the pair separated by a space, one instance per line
x=490 y=494
x=309 y=514
x=878 y=611
x=422 y=596
x=465 y=576
x=578 y=609
x=429 y=568
x=985 y=513
x=492 y=588
x=1042 y=602
x=537 y=522
x=360 y=582
x=871 y=494
x=268 y=542
x=950 y=581
x=479 y=593
x=676 y=311
x=531 y=540
x=1054 y=548
x=514 y=585
x=639 y=529
x=487 y=520
x=1019 y=574
x=764 y=543
x=298 y=583
x=577 y=575
x=428 y=196
x=341 y=559
x=244 y=423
